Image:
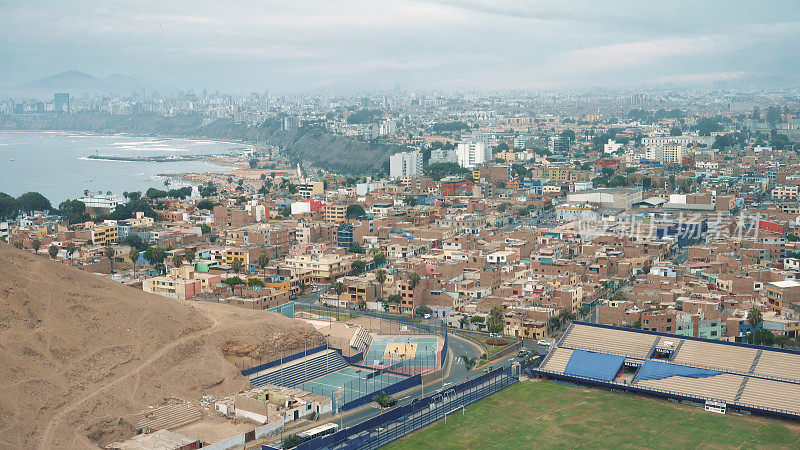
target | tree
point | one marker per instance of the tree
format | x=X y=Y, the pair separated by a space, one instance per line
x=205 y=204
x=53 y=251
x=110 y=253
x=156 y=256
x=761 y=337
x=354 y=211
x=355 y=248
x=232 y=281
x=463 y=322
x=496 y=321
x=754 y=317
x=380 y=259
x=438 y=171
x=134 y=256
x=383 y=400
x=292 y=441
x=205 y=229
x=253 y=163
x=675 y=131
x=255 y=282
x=33 y=201
x=236 y=265
x=380 y=277
x=73 y=211
x=423 y=310
x=413 y=280
x=189 y=256
x=263 y=261
x=338 y=287
x=36 y=244
x=71 y=248
x=177 y=261
x=783 y=341
x=469 y=363
x=410 y=200
x=359 y=266
x=9 y=206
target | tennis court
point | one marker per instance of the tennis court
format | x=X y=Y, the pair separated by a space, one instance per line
x=354 y=383
x=411 y=351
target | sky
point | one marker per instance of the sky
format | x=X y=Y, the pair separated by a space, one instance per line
x=306 y=46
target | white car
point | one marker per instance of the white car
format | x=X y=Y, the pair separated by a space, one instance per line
x=542 y=342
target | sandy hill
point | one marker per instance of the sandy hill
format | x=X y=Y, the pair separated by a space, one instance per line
x=78 y=351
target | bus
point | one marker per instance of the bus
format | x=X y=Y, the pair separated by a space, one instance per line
x=322 y=430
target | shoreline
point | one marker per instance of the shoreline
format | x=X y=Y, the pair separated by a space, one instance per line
x=248 y=145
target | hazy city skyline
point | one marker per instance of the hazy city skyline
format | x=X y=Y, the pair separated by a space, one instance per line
x=307 y=46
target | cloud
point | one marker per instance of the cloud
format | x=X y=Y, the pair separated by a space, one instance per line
x=630 y=54
x=698 y=77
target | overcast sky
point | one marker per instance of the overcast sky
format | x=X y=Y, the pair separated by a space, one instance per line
x=301 y=46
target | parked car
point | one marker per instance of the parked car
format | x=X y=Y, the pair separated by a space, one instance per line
x=522 y=353
x=542 y=342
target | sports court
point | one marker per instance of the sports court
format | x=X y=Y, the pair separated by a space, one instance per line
x=354 y=383
x=411 y=351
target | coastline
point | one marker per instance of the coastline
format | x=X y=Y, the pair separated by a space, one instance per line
x=247 y=144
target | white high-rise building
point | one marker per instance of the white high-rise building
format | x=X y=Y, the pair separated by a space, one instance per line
x=471 y=154
x=673 y=153
x=443 y=156
x=405 y=165
x=611 y=147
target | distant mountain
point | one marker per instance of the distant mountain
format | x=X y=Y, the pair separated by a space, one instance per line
x=76 y=82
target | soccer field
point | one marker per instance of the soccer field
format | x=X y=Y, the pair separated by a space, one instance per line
x=555 y=415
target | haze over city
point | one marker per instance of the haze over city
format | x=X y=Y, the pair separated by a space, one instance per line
x=409 y=224
x=308 y=46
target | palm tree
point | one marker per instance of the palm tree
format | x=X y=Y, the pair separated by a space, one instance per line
x=339 y=288
x=463 y=321
x=110 y=253
x=134 y=255
x=263 y=260
x=413 y=280
x=754 y=317
x=36 y=244
x=236 y=265
x=469 y=363
x=380 y=277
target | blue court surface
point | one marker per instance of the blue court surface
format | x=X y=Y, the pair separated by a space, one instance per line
x=353 y=381
x=413 y=351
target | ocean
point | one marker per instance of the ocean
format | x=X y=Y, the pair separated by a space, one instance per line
x=55 y=164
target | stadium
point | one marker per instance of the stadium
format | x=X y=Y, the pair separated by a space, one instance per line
x=719 y=375
x=353 y=362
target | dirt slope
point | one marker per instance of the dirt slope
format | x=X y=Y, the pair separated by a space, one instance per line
x=78 y=351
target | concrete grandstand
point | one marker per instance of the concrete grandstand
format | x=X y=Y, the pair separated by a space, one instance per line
x=723 y=375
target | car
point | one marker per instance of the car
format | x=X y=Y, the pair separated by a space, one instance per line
x=522 y=353
x=542 y=342
x=427 y=316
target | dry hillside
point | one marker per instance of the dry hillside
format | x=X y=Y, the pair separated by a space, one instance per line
x=78 y=351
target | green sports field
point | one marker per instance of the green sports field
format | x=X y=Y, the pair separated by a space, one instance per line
x=553 y=415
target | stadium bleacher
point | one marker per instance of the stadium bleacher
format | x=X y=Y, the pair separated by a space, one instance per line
x=723 y=387
x=361 y=339
x=756 y=379
x=772 y=394
x=300 y=370
x=557 y=361
x=616 y=341
x=777 y=364
x=713 y=355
